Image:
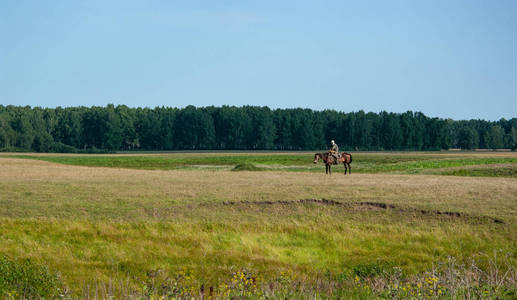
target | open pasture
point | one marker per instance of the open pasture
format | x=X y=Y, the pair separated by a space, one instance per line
x=364 y=162
x=132 y=220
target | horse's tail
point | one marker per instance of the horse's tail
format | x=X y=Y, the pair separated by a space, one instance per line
x=350 y=157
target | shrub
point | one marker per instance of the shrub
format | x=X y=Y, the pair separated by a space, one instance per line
x=63 y=148
x=95 y=150
x=26 y=279
x=13 y=149
x=245 y=166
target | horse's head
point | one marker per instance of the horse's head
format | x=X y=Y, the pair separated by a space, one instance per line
x=316 y=158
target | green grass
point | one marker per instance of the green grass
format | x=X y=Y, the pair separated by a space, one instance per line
x=211 y=249
x=307 y=243
x=172 y=162
x=26 y=279
x=300 y=162
x=246 y=166
x=413 y=167
x=504 y=171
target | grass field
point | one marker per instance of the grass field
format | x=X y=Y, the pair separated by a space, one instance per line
x=396 y=162
x=184 y=223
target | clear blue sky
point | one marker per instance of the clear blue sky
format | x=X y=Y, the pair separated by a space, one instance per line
x=446 y=58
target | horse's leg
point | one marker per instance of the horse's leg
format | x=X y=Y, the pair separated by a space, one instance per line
x=344 y=165
x=349 y=169
x=326 y=168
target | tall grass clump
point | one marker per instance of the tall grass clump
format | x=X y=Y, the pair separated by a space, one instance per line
x=27 y=280
x=246 y=166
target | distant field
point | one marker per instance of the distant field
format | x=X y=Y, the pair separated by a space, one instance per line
x=181 y=223
x=490 y=170
x=397 y=162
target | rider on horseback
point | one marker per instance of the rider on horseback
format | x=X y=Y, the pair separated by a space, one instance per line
x=334 y=151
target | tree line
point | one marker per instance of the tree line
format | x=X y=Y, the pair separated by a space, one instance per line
x=114 y=128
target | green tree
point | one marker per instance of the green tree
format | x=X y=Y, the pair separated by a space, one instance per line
x=93 y=128
x=42 y=141
x=168 y=115
x=494 y=137
x=391 y=133
x=7 y=134
x=284 y=139
x=234 y=128
x=263 y=131
x=346 y=130
x=306 y=130
x=332 y=123
x=112 y=130
x=67 y=126
x=419 y=131
x=127 y=125
x=147 y=125
x=21 y=124
x=437 y=134
x=248 y=127
x=512 y=139
x=468 y=138
x=194 y=129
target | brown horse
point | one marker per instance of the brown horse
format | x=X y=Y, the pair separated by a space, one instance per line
x=329 y=160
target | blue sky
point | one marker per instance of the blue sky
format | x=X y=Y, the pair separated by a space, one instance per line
x=454 y=59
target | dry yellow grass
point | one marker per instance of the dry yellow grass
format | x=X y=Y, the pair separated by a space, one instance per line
x=46 y=189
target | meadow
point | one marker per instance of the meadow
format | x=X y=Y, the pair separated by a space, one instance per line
x=420 y=225
x=365 y=162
